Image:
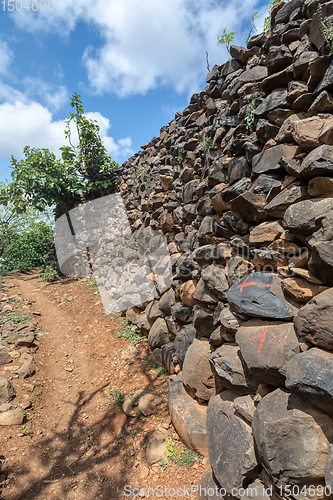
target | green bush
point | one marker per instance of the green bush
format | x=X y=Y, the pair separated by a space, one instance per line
x=26 y=250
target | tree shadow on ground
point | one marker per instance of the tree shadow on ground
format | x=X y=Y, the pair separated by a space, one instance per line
x=64 y=454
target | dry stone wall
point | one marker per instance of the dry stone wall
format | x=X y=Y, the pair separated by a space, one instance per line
x=241 y=185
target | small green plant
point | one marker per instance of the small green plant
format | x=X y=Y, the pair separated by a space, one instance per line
x=14 y=317
x=37 y=393
x=160 y=370
x=134 y=433
x=185 y=458
x=124 y=329
x=134 y=397
x=207 y=144
x=226 y=38
x=163 y=463
x=250 y=118
x=116 y=397
x=172 y=452
x=41 y=334
x=255 y=16
x=267 y=20
x=92 y=282
x=326 y=27
x=50 y=274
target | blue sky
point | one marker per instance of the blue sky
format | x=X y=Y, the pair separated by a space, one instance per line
x=134 y=63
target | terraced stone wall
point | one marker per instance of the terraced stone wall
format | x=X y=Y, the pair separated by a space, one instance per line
x=241 y=184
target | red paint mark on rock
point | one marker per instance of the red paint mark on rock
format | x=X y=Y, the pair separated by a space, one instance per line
x=252 y=283
x=282 y=337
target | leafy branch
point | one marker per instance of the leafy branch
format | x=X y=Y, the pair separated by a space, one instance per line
x=226 y=38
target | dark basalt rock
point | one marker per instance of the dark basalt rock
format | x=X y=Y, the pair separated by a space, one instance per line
x=310 y=376
x=311 y=220
x=238 y=169
x=260 y=294
x=292 y=439
x=197 y=374
x=230 y=443
x=266 y=346
x=203 y=320
x=321 y=261
x=183 y=340
x=231 y=371
x=268 y=161
x=318 y=162
x=182 y=313
x=314 y=320
x=276 y=99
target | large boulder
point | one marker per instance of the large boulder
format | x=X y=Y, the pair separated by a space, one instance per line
x=266 y=346
x=203 y=320
x=260 y=294
x=321 y=261
x=230 y=443
x=198 y=377
x=318 y=162
x=216 y=281
x=292 y=439
x=310 y=376
x=188 y=417
x=311 y=220
x=159 y=334
x=230 y=369
x=314 y=320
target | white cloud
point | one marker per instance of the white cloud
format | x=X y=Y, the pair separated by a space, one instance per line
x=6 y=56
x=32 y=124
x=28 y=124
x=147 y=43
x=53 y=96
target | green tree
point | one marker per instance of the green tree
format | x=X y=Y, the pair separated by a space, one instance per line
x=26 y=250
x=84 y=172
x=12 y=222
x=24 y=238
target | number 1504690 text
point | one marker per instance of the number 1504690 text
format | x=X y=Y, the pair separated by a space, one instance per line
x=17 y=5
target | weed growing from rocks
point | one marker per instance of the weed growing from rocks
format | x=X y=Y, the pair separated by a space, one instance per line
x=160 y=370
x=127 y=331
x=116 y=397
x=185 y=458
x=250 y=118
x=50 y=274
x=326 y=27
x=226 y=38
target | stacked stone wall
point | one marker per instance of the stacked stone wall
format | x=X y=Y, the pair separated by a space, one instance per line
x=241 y=185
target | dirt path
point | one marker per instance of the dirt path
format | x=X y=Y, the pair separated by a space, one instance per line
x=76 y=442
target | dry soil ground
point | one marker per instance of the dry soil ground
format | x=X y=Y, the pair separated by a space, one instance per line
x=76 y=443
